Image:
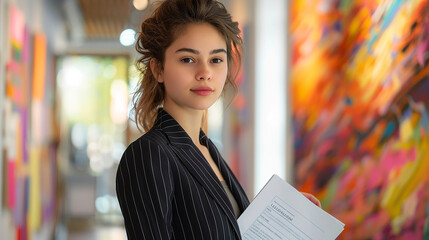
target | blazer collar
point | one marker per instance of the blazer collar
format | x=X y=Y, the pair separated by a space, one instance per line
x=175 y=134
x=200 y=169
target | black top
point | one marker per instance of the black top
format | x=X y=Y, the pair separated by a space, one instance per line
x=167 y=189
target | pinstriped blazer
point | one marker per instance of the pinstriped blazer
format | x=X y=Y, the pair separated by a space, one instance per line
x=167 y=190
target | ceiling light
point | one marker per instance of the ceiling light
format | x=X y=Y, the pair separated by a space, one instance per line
x=127 y=37
x=140 y=4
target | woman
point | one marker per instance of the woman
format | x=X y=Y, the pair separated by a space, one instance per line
x=172 y=182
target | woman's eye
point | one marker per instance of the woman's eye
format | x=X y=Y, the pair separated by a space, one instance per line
x=187 y=60
x=217 y=60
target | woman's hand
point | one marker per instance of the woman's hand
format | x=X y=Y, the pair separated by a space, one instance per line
x=312 y=198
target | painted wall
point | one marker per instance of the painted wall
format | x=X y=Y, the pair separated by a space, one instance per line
x=28 y=152
x=360 y=109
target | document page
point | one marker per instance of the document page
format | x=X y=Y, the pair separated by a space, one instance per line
x=279 y=211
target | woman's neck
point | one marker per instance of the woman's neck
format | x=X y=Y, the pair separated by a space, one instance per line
x=189 y=120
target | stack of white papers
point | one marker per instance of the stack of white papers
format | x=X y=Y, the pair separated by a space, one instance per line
x=279 y=211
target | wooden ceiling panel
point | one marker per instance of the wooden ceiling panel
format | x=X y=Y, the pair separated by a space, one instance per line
x=105 y=19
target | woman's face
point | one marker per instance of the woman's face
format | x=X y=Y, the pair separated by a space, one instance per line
x=195 y=68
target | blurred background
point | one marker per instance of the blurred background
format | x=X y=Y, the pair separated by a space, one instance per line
x=334 y=98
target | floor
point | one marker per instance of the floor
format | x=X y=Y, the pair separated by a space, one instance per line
x=98 y=233
x=89 y=230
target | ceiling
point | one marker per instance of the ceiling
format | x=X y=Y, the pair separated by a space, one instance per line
x=100 y=20
x=105 y=19
x=94 y=26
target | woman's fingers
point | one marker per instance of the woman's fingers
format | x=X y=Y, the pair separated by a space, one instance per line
x=312 y=198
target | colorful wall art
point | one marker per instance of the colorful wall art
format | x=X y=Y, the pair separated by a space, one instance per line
x=360 y=96
x=30 y=144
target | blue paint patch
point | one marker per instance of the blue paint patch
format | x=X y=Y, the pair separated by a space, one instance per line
x=390 y=14
x=348 y=101
x=337 y=26
x=389 y=130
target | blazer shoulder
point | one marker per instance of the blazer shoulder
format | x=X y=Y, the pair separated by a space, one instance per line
x=150 y=151
x=155 y=136
x=150 y=146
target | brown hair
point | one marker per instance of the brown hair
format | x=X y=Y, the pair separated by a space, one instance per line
x=157 y=34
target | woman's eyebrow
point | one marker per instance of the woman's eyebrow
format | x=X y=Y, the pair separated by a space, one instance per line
x=220 y=50
x=190 y=50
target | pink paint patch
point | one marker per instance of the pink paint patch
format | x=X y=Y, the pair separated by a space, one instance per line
x=374 y=223
x=421 y=50
x=325 y=147
x=412 y=235
x=17 y=23
x=11 y=183
x=13 y=66
x=394 y=159
x=376 y=178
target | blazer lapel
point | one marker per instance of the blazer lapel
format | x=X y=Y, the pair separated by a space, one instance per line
x=196 y=164
x=235 y=187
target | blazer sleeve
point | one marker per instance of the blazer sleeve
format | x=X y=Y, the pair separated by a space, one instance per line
x=144 y=187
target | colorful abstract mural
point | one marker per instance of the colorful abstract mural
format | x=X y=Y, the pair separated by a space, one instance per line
x=360 y=96
x=30 y=144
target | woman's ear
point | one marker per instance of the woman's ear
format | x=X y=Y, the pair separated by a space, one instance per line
x=155 y=67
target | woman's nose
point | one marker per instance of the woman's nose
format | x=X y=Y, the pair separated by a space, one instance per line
x=204 y=72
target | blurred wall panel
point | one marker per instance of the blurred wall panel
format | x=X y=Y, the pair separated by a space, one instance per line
x=2 y=87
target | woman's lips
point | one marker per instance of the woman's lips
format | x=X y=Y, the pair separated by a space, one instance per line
x=202 y=91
